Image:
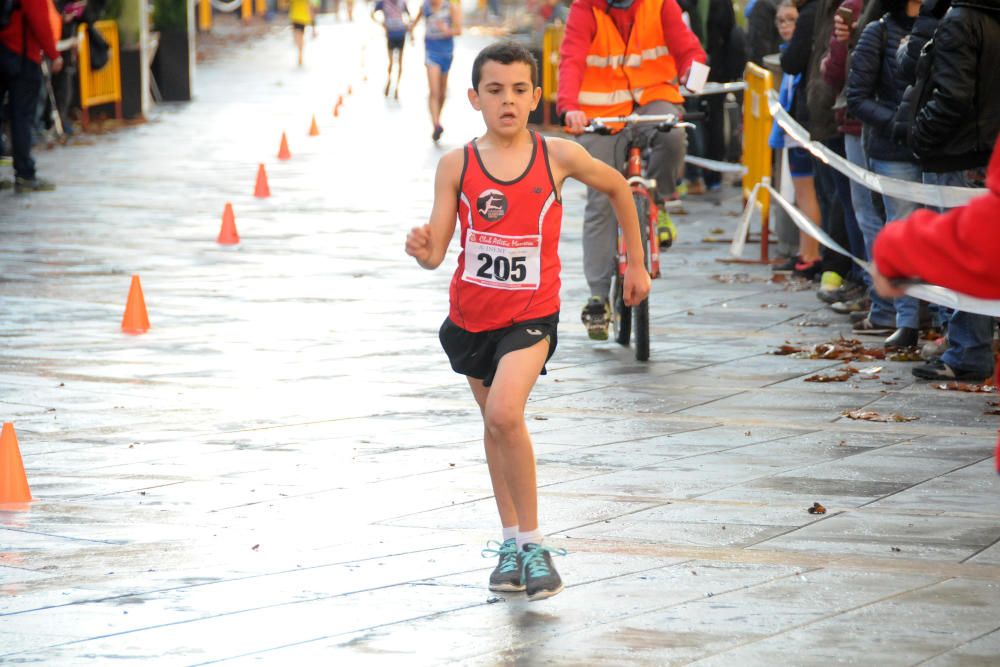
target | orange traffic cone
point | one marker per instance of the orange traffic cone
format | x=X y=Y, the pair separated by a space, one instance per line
x=228 y=235
x=336 y=110
x=261 y=190
x=314 y=128
x=283 y=152
x=135 y=321
x=13 y=481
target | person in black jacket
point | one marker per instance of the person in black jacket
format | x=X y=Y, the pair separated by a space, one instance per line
x=813 y=108
x=762 y=34
x=714 y=22
x=952 y=136
x=874 y=90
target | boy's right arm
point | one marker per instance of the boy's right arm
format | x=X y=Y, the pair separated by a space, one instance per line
x=429 y=243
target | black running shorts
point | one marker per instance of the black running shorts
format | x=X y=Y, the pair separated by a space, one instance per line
x=478 y=354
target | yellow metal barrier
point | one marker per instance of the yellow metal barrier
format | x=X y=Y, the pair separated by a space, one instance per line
x=261 y=7
x=246 y=10
x=204 y=15
x=103 y=86
x=756 y=151
x=551 y=42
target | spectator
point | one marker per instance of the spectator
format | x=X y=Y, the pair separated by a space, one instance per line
x=834 y=70
x=762 y=34
x=874 y=91
x=959 y=249
x=952 y=135
x=714 y=23
x=813 y=108
x=799 y=162
x=31 y=32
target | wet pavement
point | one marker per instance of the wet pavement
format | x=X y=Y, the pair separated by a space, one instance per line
x=284 y=470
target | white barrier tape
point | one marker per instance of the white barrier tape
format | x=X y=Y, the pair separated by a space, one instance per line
x=927 y=292
x=715 y=88
x=231 y=6
x=715 y=165
x=942 y=196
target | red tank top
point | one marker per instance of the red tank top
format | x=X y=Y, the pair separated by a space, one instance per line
x=508 y=270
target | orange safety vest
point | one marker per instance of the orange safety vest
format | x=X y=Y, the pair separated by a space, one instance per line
x=619 y=76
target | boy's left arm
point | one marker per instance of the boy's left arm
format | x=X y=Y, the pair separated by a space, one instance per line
x=573 y=161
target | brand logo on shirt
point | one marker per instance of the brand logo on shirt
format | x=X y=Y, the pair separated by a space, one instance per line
x=491 y=204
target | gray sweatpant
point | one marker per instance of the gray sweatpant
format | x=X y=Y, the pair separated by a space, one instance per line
x=600 y=227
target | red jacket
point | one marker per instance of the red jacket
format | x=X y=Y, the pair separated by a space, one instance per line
x=959 y=249
x=41 y=35
x=581 y=28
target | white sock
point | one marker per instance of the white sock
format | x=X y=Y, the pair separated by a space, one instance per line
x=509 y=532
x=531 y=537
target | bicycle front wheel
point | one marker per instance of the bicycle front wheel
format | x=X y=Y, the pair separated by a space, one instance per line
x=621 y=315
x=641 y=311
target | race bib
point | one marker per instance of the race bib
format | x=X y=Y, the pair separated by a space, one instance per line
x=503 y=262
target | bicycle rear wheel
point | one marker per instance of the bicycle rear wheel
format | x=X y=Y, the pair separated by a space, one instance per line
x=641 y=311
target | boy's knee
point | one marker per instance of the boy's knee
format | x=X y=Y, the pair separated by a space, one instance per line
x=503 y=420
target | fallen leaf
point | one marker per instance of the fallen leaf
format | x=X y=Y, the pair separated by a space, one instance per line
x=970 y=388
x=817 y=509
x=897 y=549
x=541 y=418
x=494 y=599
x=843 y=375
x=787 y=349
x=717 y=230
x=871 y=370
x=255 y=547
x=872 y=416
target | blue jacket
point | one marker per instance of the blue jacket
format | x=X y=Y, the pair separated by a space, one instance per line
x=874 y=89
x=786 y=96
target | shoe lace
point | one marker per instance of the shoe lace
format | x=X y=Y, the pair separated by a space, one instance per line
x=507 y=551
x=533 y=562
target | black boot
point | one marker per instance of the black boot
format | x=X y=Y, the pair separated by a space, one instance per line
x=903 y=337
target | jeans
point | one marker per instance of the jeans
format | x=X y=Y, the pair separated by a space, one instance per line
x=870 y=222
x=970 y=337
x=907 y=308
x=21 y=80
x=855 y=241
x=831 y=217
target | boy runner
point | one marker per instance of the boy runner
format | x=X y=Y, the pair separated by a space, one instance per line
x=395 y=35
x=501 y=329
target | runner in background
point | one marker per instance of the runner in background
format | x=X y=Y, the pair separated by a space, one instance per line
x=300 y=13
x=444 y=22
x=395 y=36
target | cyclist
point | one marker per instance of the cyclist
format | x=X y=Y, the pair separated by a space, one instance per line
x=444 y=22
x=619 y=57
x=501 y=327
x=395 y=27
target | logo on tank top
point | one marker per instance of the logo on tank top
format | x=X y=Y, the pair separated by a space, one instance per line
x=492 y=205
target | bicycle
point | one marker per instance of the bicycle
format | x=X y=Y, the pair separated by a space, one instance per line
x=643 y=187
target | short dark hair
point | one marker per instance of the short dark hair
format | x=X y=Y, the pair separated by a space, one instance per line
x=505 y=53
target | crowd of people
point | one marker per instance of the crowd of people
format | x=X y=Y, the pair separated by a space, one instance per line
x=900 y=88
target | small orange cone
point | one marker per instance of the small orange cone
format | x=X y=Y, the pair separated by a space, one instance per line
x=228 y=235
x=350 y=91
x=314 y=128
x=13 y=481
x=135 y=321
x=261 y=190
x=283 y=152
x=336 y=110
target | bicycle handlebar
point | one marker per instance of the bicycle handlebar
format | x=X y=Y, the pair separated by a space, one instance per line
x=665 y=122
